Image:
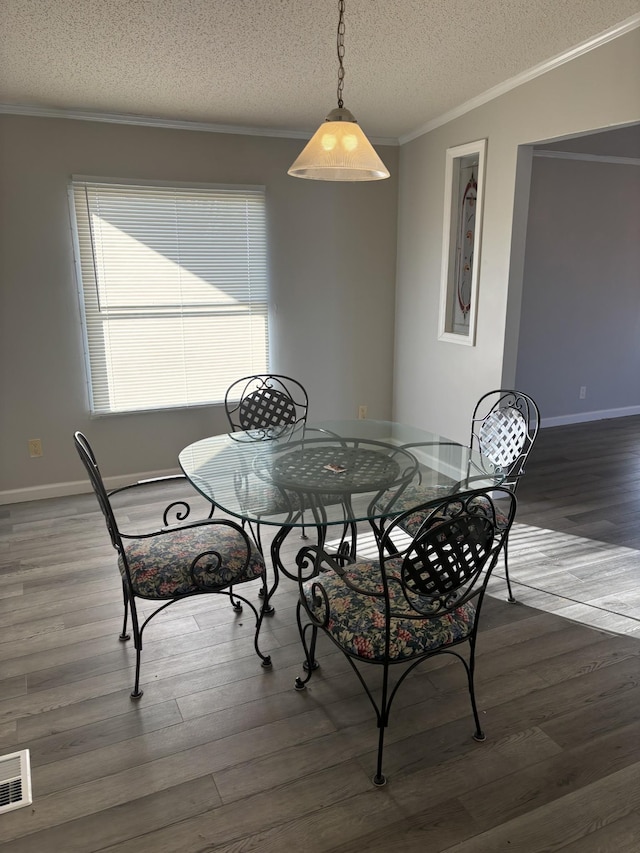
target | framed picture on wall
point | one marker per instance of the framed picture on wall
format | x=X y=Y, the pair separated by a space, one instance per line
x=461 y=239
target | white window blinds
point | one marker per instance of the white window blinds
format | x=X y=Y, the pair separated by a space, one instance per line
x=174 y=289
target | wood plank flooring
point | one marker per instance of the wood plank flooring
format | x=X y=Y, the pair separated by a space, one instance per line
x=575 y=547
x=220 y=755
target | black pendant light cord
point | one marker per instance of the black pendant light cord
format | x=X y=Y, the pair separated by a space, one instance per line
x=340 y=53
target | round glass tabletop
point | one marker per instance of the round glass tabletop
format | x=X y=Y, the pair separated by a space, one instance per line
x=341 y=471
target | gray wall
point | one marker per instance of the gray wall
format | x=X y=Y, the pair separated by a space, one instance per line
x=580 y=322
x=332 y=255
x=332 y=269
x=436 y=383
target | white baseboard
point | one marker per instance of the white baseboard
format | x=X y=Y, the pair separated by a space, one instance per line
x=76 y=487
x=79 y=487
x=583 y=417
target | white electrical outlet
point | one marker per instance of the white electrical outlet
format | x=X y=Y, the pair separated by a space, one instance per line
x=583 y=392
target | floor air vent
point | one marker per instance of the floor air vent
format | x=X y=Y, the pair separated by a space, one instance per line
x=15 y=781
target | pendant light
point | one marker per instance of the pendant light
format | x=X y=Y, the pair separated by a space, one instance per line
x=339 y=150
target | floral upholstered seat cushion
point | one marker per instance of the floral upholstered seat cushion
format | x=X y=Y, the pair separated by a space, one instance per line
x=357 y=621
x=415 y=495
x=160 y=566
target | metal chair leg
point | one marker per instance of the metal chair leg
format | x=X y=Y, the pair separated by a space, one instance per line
x=266 y=659
x=510 y=597
x=380 y=779
x=478 y=735
x=124 y=636
x=235 y=603
x=136 y=693
x=310 y=663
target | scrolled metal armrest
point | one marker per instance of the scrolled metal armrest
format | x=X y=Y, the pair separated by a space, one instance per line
x=212 y=552
x=317 y=558
x=179 y=509
x=208 y=569
x=323 y=562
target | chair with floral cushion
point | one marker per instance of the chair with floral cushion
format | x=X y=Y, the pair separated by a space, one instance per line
x=412 y=603
x=266 y=406
x=504 y=426
x=175 y=561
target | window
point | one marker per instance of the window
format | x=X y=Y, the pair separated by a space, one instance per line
x=463 y=179
x=174 y=291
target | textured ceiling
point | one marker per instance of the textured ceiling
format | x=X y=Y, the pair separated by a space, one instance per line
x=272 y=63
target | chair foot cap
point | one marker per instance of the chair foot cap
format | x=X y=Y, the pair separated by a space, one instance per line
x=237 y=607
x=479 y=736
x=310 y=668
x=124 y=637
x=379 y=781
x=137 y=695
x=300 y=684
x=266 y=663
x=512 y=600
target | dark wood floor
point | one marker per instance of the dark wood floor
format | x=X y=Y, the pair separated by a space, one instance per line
x=220 y=755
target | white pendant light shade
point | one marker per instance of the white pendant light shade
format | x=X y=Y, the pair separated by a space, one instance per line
x=339 y=151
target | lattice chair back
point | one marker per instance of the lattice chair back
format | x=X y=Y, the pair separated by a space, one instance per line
x=453 y=551
x=264 y=402
x=504 y=427
x=445 y=560
x=95 y=477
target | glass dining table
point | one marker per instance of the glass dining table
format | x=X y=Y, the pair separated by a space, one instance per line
x=328 y=475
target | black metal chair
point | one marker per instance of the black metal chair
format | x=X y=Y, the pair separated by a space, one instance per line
x=175 y=561
x=504 y=426
x=264 y=403
x=410 y=605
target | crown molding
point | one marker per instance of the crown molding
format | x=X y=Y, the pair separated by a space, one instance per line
x=611 y=34
x=168 y=124
x=590 y=158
